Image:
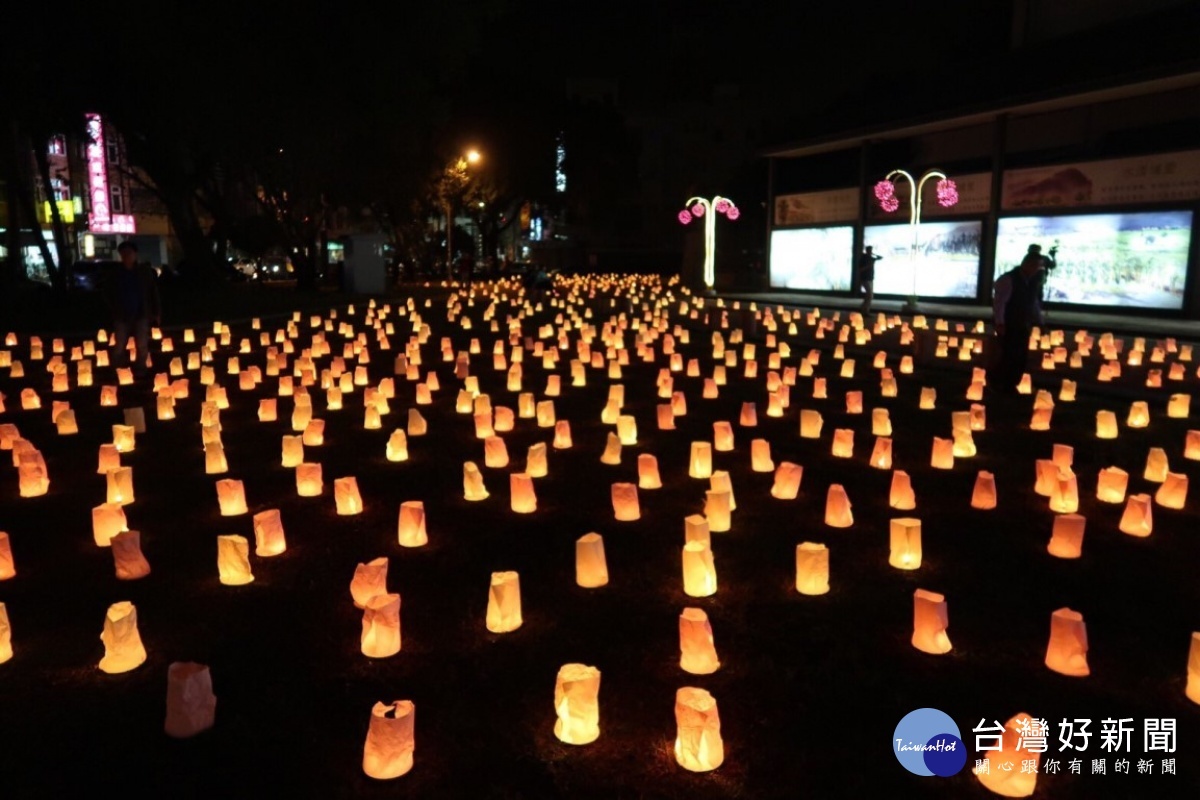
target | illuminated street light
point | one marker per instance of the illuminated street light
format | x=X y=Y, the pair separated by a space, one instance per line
x=885 y=193
x=454 y=181
x=699 y=207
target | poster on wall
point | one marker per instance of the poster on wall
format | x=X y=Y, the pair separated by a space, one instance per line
x=1133 y=260
x=837 y=205
x=946 y=258
x=1164 y=178
x=974 y=198
x=816 y=259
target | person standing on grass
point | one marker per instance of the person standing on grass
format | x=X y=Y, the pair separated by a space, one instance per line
x=1016 y=308
x=131 y=293
x=866 y=276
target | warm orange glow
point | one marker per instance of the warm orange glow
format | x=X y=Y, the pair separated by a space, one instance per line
x=812 y=568
x=231 y=495
x=1066 y=539
x=905 y=543
x=504 y=603
x=1006 y=774
x=127 y=556
x=1111 y=485
x=576 y=704
x=381 y=626
x=843 y=443
x=930 y=620
x=233 y=560
x=698 y=652
x=837 y=507
x=648 y=477
x=1138 y=519
x=123 y=648
x=591 y=568
x=1106 y=425
x=700 y=464
x=411 y=526
x=810 y=423
x=698 y=745
x=901 y=495
x=473 y=488
x=699 y=571
x=1173 y=492
x=1067 y=651
x=524 y=499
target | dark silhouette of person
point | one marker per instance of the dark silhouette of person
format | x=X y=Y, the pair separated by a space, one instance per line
x=131 y=293
x=866 y=276
x=1016 y=308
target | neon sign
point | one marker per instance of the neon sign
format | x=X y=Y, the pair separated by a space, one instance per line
x=102 y=220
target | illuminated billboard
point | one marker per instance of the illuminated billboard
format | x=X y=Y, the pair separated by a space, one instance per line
x=1137 y=260
x=102 y=220
x=818 y=259
x=946 y=258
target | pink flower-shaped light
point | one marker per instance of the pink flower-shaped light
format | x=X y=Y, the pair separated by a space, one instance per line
x=685 y=217
x=733 y=212
x=889 y=204
x=884 y=190
x=721 y=206
x=947 y=192
x=698 y=210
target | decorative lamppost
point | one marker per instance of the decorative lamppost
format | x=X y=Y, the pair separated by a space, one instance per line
x=700 y=207
x=454 y=180
x=885 y=193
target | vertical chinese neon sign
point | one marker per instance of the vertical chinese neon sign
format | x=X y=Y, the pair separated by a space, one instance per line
x=102 y=220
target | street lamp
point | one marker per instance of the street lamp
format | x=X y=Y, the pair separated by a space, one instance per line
x=885 y=193
x=454 y=180
x=701 y=207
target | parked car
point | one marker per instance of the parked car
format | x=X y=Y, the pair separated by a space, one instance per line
x=276 y=268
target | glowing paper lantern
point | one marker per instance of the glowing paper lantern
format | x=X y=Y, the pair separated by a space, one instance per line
x=760 y=456
x=346 y=496
x=612 y=450
x=837 y=507
x=695 y=529
x=309 y=482
x=901 y=495
x=787 y=481
x=233 y=560
x=388 y=751
x=983 y=496
x=381 y=626
x=812 y=568
x=810 y=423
x=370 y=580
x=231 y=495
x=268 y=409
x=535 y=461
x=562 y=435
x=1173 y=492
x=123 y=648
x=1011 y=771
x=191 y=704
x=648 y=477
x=1179 y=406
x=698 y=745
x=120 y=486
x=108 y=519
x=930 y=620
x=1066 y=538
x=1193 y=668
x=1067 y=651
x=1138 y=520
x=627 y=429
x=124 y=438
x=576 y=704
x=6 y=650
x=943 y=453
x=700 y=463
x=416 y=423
x=843 y=443
x=1064 y=493
x=1156 y=465
x=1111 y=485
x=906 y=543
x=504 y=603
x=1106 y=425
x=1139 y=414
x=268 y=533
x=717 y=509
x=7 y=566
x=411 y=527
x=473 y=488
x=697 y=651
x=524 y=499
x=881 y=422
x=722 y=437
x=127 y=556
x=32 y=480
x=397 y=446
x=699 y=571
x=591 y=568
x=215 y=462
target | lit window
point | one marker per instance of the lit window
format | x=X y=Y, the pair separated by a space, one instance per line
x=58 y=146
x=118 y=200
x=60 y=189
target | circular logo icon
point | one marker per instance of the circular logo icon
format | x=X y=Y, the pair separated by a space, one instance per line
x=927 y=742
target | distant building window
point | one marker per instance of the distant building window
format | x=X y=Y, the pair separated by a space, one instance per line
x=114 y=152
x=58 y=146
x=118 y=200
x=60 y=189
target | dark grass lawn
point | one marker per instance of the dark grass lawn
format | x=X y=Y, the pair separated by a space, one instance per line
x=810 y=688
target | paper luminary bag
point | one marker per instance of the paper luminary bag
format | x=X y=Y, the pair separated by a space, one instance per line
x=370 y=579
x=591 y=567
x=191 y=704
x=576 y=704
x=123 y=648
x=930 y=620
x=1067 y=651
x=698 y=653
x=812 y=568
x=268 y=533
x=411 y=527
x=388 y=750
x=698 y=744
x=504 y=603
x=381 y=626
x=127 y=556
